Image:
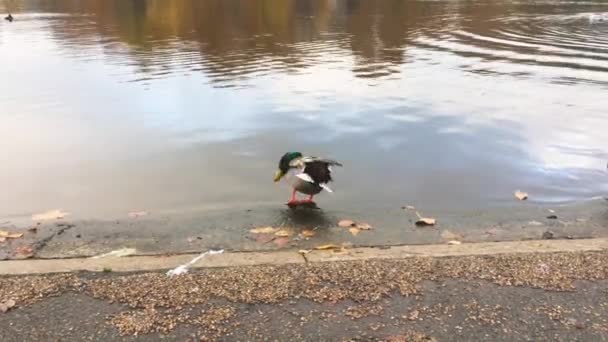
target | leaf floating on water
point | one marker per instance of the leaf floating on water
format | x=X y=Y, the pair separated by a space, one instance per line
x=308 y=233
x=263 y=230
x=346 y=223
x=137 y=213
x=520 y=195
x=9 y=235
x=425 y=221
x=454 y=242
x=363 y=226
x=7 y=305
x=327 y=247
x=50 y=215
x=354 y=231
x=284 y=233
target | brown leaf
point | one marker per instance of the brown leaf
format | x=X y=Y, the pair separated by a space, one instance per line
x=263 y=230
x=7 y=305
x=354 y=231
x=426 y=221
x=327 y=247
x=281 y=242
x=24 y=252
x=137 y=213
x=308 y=233
x=284 y=233
x=346 y=223
x=363 y=226
x=50 y=215
x=520 y=195
x=264 y=238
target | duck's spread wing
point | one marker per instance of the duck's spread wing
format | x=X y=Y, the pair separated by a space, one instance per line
x=319 y=169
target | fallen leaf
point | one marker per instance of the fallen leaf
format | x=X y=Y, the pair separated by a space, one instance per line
x=327 y=247
x=7 y=305
x=281 y=242
x=10 y=235
x=426 y=221
x=364 y=226
x=264 y=238
x=346 y=223
x=354 y=231
x=520 y=195
x=284 y=233
x=137 y=213
x=24 y=252
x=263 y=230
x=50 y=215
x=304 y=251
x=413 y=315
x=454 y=242
x=308 y=233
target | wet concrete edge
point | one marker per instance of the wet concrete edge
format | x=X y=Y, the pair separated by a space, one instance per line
x=232 y=259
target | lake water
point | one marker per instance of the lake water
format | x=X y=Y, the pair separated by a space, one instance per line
x=179 y=105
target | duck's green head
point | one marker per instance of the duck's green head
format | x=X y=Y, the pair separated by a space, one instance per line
x=284 y=164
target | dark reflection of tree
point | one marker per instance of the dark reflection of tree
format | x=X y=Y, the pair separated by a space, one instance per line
x=235 y=38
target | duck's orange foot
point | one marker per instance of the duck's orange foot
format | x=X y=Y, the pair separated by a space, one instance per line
x=302 y=204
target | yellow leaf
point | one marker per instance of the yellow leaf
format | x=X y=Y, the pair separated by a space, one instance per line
x=354 y=231
x=284 y=233
x=346 y=223
x=364 y=226
x=426 y=221
x=9 y=235
x=326 y=247
x=308 y=233
x=520 y=195
x=263 y=230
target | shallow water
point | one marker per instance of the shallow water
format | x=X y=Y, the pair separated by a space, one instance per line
x=178 y=105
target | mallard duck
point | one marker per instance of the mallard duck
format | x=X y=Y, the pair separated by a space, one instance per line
x=9 y=17
x=307 y=175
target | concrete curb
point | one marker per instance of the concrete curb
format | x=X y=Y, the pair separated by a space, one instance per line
x=154 y=263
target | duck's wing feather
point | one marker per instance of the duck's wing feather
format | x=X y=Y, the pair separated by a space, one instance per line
x=319 y=169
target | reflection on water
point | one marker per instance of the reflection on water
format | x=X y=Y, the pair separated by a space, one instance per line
x=183 y=104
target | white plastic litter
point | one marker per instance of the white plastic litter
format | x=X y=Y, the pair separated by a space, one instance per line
x=183 y=269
